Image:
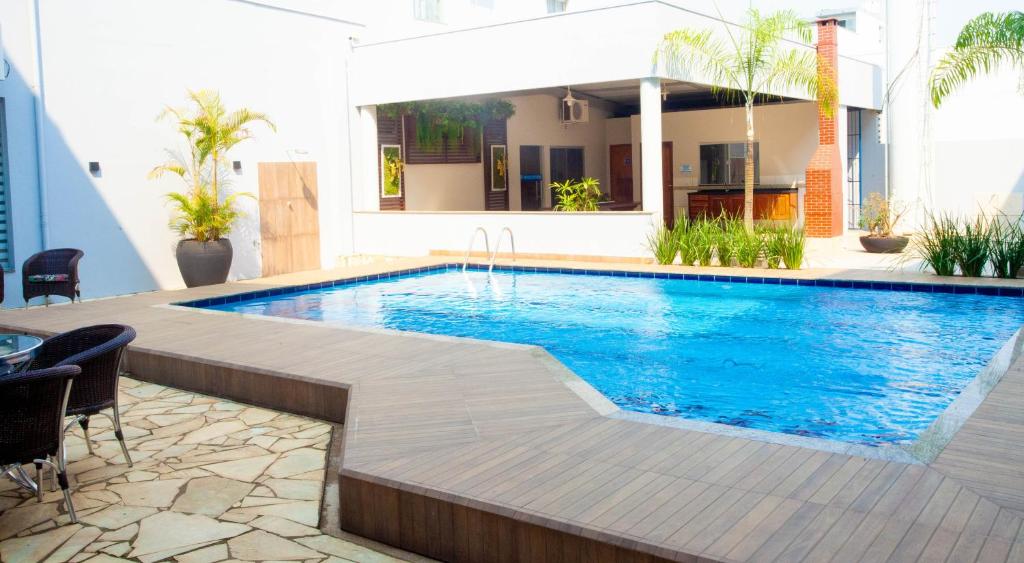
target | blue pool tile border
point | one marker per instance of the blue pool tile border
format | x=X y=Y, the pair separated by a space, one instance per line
x=915 y=287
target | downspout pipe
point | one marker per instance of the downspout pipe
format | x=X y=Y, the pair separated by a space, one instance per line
x=39 y=105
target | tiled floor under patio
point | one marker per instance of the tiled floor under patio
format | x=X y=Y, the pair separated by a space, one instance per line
x=213 y=480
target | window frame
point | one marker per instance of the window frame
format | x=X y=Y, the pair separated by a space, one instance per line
x=726 y=161
x=504 y=187
x=7 y=266
x=421 y=11
x=401 y=175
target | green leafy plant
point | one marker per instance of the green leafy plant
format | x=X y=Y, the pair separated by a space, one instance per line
x=1006 y=252
x=972 y=246
x=664 y=244
x=773 y=242
x=209 y=131
x=879 y=216
x=983 y=45
x=702 y=235
x=749 y=245
x=441 y=123
x=755 y=62
x=683 y=233
x=726 y=242
x=578 y=195
x=793 y=241
x=936 y=244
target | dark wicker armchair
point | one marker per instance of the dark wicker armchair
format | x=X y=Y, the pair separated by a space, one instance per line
x=32 y=406
x=97 y=350
x=51 y=272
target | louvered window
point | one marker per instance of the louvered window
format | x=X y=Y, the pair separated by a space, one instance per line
x=464 y=151
x=6 y=255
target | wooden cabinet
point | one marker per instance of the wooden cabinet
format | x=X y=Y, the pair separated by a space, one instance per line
x=774 y=205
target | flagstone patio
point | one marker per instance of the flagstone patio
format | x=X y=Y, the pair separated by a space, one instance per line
x=213 y=480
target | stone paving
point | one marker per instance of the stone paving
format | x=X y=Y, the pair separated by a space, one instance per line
x=213 y=481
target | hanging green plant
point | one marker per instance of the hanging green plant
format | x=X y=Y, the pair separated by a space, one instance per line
x=449 y=123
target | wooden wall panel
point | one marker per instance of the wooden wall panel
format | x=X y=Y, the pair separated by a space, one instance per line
x=453 y=532
x=289 y=217
x=389 y=132
x=495 y=133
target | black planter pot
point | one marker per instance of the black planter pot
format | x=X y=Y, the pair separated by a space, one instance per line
x=204 y=263
x=884 y=245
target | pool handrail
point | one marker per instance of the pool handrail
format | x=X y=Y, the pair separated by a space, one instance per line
x=472 y=239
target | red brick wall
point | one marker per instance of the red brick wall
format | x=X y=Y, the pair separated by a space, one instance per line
x=823 y=211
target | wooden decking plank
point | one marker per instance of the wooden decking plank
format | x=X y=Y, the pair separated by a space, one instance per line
x=747 y=477
x=779 y=540
x=820 y=476
x=741 y=525
x=658 y=526
x=877 y=488
x=697 y=519
x=642 y=484
x=676 y=493
x=798 y=475
x=994 y=550
x=765 y=529
x=913 y=542
x=838 y=481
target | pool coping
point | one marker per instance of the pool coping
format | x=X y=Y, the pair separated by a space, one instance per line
x=419 y=512
x=922 y=450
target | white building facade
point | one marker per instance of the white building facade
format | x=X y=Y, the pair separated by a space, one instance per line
x=85 y=82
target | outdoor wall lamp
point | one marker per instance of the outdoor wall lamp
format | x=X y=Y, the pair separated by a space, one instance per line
x=236 y=165
x=94 y=168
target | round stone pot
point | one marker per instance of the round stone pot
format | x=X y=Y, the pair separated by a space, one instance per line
x=204 y=263
x=884 y=245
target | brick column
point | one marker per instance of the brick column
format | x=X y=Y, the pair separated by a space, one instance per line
x=823 y=200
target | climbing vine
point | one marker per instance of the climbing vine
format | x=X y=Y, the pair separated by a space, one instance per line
x=449 y=122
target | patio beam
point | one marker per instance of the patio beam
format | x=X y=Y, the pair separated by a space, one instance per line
x=650 y=149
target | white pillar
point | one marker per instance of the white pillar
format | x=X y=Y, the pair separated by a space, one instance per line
x=365 y=191
x=652 y=186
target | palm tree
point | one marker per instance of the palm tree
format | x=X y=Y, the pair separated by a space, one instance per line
x=752 y=64
x=983 y=44
x=209 y=131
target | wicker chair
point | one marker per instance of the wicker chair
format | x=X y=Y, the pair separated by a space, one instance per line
x=61 y=264
x=32 y=408
x=97 y=350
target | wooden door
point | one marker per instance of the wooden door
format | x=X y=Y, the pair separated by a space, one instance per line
x=289 y=217
x=620 y=158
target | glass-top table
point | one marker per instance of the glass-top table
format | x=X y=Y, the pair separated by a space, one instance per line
x=16 y=350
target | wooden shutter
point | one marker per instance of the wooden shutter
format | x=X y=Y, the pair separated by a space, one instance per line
x=465 y=152
x=6 y=254
x=495 y=133
x=389 y=132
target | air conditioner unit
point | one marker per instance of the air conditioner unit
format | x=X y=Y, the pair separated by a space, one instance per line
x=575 y=111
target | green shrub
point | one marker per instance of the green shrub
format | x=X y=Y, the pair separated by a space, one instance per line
x=936 y=244
x=772 y=241
x=664 y=244
x=1006 y=253
x=702 y=235
x=972 y=247
x=748 y=248
x=728 y=238
x=792 y=246
x=684 y=241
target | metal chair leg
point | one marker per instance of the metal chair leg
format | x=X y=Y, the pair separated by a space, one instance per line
x=120 y=436
x=60 y=469
x=39 y=481
x=84 y=423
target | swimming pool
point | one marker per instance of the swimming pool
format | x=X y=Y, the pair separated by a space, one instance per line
x=862 y=366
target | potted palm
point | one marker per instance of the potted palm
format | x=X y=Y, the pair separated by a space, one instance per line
x=203 y=215
x=879 y=217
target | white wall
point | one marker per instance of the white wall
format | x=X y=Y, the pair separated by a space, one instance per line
x=108 y=70
x=444 y=187
x=536 y=123
x=787 y=133
x=622 y=234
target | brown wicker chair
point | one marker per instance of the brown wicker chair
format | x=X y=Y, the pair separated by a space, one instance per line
x=60 y=264
x=32 y=406
x=97 y=350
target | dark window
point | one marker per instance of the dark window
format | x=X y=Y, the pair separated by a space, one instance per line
x=566 y=164
x=722 y=164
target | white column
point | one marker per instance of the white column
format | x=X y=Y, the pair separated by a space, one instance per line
x=652 y=187
x=366 y=189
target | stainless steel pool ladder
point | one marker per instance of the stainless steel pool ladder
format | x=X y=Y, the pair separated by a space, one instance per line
x=497 y=247
x=472 y=239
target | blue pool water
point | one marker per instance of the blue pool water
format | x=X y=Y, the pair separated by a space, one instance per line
x=861 y=366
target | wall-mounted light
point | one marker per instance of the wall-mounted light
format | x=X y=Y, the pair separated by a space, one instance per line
x=94 y=168
x=236 y=165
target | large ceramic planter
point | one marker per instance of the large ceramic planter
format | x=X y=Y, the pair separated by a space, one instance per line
x=884 y=245
x=204 y=263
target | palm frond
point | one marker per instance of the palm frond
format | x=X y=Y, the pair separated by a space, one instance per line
x=799 y=69
x=984 y=43
x=686 y=50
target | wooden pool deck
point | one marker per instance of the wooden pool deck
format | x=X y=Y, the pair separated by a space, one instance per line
x=473 y=451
